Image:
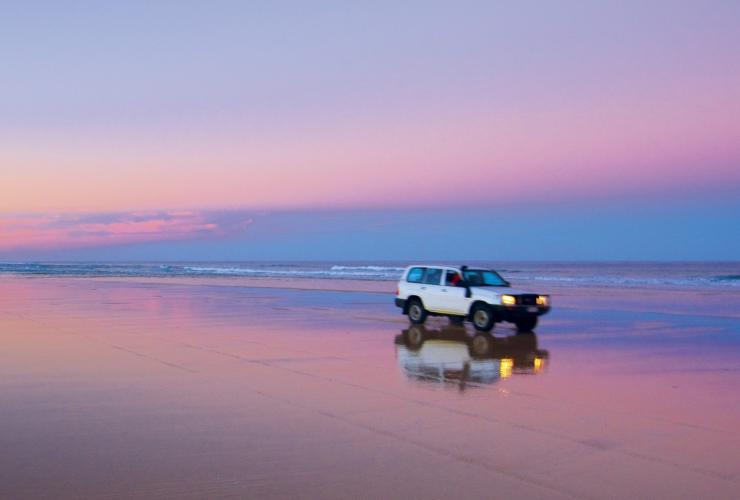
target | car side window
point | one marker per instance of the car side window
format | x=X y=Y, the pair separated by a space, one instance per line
x=415 y=275
x=452 y=278
x=433 y=276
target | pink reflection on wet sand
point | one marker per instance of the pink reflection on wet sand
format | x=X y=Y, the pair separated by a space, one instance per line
x=142 y=389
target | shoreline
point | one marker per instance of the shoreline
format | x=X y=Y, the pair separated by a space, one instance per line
x=362 y=285
x=702 y=301
x=303 y=284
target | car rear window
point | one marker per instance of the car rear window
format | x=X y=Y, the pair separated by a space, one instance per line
x=415 y=275
x=433 y=276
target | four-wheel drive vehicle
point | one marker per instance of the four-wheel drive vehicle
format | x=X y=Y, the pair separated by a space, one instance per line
x=479 y=295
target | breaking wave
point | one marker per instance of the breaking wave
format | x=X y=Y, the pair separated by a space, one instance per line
x=706 y=274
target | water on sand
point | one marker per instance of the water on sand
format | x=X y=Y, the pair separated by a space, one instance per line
x=141 y=389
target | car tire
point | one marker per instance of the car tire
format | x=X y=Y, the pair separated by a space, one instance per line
x=416 y=312
x=526 y=325
x=482 y=317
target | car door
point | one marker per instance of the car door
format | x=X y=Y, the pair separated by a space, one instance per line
x=431 y=289
x=452 y=294
x=414 y=282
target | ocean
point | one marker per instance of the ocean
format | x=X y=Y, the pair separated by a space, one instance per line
x=720 y=275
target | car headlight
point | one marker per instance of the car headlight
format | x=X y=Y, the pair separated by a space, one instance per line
x=508 y=300
x=543 y=300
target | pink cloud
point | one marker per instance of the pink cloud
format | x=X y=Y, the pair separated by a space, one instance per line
x=82 y=230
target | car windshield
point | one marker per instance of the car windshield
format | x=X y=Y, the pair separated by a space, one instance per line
x=484 y=277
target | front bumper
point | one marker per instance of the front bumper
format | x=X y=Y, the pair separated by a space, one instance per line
x=511 y=313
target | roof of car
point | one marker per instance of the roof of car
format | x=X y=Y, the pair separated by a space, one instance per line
x=446 y=266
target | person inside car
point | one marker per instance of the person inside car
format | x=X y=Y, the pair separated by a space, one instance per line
x=454 y=279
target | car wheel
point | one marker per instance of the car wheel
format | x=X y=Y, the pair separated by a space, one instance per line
x=526 y=325
x=482 y=317
x=480 y=345
x=416 y=312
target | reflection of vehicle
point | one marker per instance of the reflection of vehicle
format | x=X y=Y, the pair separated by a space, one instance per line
x=479 y=295
x=449 y=354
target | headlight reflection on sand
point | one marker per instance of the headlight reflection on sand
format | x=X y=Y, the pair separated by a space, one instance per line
x=506 y=367
x=539 y=365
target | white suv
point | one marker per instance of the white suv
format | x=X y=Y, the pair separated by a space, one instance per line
x=479 y=295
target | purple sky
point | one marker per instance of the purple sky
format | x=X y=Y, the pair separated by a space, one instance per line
x=288 y=130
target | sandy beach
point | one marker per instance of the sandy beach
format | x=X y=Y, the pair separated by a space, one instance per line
x=186 y=388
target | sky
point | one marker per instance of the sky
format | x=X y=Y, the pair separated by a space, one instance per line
x=374 y=130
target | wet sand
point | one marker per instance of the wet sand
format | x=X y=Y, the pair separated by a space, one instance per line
x=142 y=388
